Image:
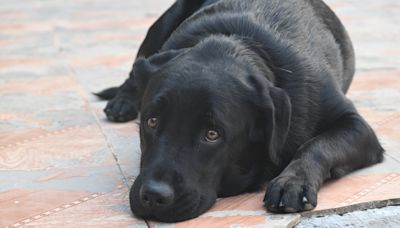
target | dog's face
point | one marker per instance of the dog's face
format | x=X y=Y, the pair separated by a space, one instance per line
x=201 y=136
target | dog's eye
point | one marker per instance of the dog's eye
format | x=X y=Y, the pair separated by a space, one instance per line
x=212 y=136
x=152 y=122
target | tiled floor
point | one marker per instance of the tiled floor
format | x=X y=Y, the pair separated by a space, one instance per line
x=62 y=164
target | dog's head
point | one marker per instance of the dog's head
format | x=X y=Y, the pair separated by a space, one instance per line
x=210 y=122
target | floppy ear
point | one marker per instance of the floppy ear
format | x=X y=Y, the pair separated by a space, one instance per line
x=144 y=68
x=277 y=111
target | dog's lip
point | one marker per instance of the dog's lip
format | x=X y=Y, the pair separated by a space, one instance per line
x=188 y=207
x=179 y=213
x=184 y=213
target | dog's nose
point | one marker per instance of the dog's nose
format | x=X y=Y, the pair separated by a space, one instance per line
x=154 y=193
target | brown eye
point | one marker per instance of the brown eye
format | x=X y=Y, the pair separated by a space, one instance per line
x=212 y=136
x=152 y=122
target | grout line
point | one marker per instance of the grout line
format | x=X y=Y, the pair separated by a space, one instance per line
x=83 y=94
x=124 y=178
x=366 y=191
x=57 y=209
x=111 y=148
x=390 y=156
x=49 y=134
x=386 y=120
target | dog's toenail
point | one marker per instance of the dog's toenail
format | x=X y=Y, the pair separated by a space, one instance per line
x=290 y=210
x=308 y=206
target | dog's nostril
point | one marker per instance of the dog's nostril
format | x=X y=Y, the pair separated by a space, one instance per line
x=154 y=193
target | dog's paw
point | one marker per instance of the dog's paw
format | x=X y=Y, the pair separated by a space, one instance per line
x=121 y=109
x=290 y=194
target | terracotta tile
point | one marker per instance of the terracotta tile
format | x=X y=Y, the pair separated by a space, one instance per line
x=27 y=117
x=21 y=28
x=390 y=164
x=55 y=141
x=336 y=192
x=125 y=143
x=9 y=15
x=20 y=127
x=377 y=118
x=349 y=190
x=228 y=221
x=90 y=14
x=13 y=194
x=8 y=139
x=107 y=61
x=392 y=52
x=27 y=204
x=105 y=210
x=389 y=131
x=385 y=189
x=253 y=201
x=21 y=62
x=241 y=219
x=393 y=150
x=64 y=148
x=41 y=86
x=5 y=43
x=376 y=80
x=61 y=176
x=114 y=37
x=130 y=129
x=109 y=23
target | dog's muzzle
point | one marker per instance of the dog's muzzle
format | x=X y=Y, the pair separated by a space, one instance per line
x=156 y=194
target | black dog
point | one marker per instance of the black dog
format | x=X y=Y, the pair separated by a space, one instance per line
x=235 y=93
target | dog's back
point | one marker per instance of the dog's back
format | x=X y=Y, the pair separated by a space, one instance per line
x=297 y=26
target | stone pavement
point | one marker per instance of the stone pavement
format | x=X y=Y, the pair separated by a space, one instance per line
x=63 y=164
x=387 y=217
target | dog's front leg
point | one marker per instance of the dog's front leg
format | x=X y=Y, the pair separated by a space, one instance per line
x=126 y=103
x=347 y=144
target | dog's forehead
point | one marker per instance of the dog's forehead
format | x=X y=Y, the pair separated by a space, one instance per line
x=198 y=86
x=184 y=95
x=202 y=77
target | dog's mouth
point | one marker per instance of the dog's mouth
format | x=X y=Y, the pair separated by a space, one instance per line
x=187 y=204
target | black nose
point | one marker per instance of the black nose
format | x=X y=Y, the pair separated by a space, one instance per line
x=154 y=193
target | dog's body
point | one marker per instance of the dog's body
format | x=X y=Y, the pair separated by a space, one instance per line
x=236 y=93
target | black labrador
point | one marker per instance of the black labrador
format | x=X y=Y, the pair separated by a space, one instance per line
x=234 y=94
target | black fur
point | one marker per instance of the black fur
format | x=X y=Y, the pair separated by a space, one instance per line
x=107 y=94
x=269 y=77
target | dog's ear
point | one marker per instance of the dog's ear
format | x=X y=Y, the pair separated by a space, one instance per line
x=276 y=111
x=144 y=68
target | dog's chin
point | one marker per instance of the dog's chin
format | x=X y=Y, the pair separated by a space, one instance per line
x=188 y=205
